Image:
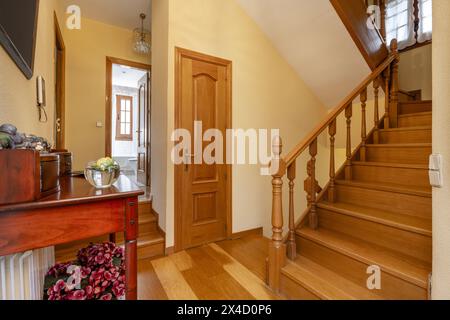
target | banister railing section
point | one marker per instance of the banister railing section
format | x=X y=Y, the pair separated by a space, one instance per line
x=385 y=77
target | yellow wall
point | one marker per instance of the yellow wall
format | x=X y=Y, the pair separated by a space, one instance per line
x=87 y=50
x=415 y=72
x=441 y=144
x=267 y=93
x=159 y=136
x=17 y=94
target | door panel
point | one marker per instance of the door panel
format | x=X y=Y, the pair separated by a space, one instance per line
x=143 y=131
x=202 y=190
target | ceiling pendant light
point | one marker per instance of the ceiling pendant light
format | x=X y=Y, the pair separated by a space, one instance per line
x=142 y=38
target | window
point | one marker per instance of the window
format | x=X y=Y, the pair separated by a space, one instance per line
x=124 y=120
x=425 y=20
x=408 y=21
x=400 y=22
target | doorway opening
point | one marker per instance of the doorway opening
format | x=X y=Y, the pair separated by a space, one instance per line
x=128 y=119
x=60 y=84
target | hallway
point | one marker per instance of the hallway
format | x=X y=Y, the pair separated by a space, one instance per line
x=228 y=270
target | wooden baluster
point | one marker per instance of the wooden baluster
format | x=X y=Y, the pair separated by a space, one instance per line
x=363 y=97
x=348 y=164
x=312 y=186
x=331 y=190
x=387 y=77
x=376 y=116
x=291 y=244
x=393 y=107
x=277 y=250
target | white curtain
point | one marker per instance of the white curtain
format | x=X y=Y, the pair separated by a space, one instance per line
x=400 y=22
x=426 y=21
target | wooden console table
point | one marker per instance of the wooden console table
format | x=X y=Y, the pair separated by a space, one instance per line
x=78 y=212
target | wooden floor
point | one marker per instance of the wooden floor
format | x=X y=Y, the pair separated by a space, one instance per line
x=227 y=270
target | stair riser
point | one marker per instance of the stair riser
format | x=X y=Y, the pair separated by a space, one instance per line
x=410 y=136
x=145 y=208
x=406 y=155
x=391 y=287
x=408 y=108
x=295 y=291
x=409 y=243
x=146 y=228
x=415 y=121
x=151 y=251
x=404 y=176
x=393 y=202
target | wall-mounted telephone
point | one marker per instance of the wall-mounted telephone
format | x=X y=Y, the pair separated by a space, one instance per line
x=41 y=98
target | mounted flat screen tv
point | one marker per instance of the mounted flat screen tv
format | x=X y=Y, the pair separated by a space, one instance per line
x=18 y=27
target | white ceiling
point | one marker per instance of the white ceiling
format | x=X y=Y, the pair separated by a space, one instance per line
x=122 y=13
x=127 y=77
x=312 y=38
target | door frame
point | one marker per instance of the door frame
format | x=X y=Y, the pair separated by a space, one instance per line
x=60 y=85
x=178 y=169
x=110 y=61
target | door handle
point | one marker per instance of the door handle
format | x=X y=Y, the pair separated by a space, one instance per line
x=187 y=159
x=58 y=125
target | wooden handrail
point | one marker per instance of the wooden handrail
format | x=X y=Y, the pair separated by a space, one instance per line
x=305 y=143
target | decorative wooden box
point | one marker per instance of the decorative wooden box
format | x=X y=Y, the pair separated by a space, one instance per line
x=49 y=174
x=65 y=162
x=27 y=176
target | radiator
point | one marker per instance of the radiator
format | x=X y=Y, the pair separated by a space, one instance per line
x=22 y=275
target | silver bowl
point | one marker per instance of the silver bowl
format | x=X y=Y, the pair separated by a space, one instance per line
x=101 y=179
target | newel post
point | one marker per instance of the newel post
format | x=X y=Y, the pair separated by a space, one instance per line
x=393 y=105
x=277 y=249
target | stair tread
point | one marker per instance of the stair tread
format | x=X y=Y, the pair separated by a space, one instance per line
x=390 y=165
x=406 y=129
x=401 y=221
x=146 y=239
x=407 y=115
x=325 y=283
x=392 y=262
x=389 y=187
x=399 y=145
x=150 y=239
x=417 y=102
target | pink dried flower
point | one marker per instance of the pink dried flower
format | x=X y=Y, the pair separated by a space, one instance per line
x=106 y=297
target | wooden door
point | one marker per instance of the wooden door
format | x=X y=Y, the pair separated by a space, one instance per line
x=143 y=131
x=203 y=192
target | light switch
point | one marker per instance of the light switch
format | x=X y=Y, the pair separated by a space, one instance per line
x=435 y=171
x=99 y=124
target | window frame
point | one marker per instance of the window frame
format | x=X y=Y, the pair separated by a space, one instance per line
x=417 y=44
x=119 y=135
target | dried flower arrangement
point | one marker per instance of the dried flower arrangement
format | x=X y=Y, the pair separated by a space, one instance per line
x=98 y=274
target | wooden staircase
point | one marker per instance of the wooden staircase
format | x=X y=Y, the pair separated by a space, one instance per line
x=151 y=240
x=375 y=211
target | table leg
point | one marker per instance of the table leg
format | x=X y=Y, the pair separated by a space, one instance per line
x=131 y=232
